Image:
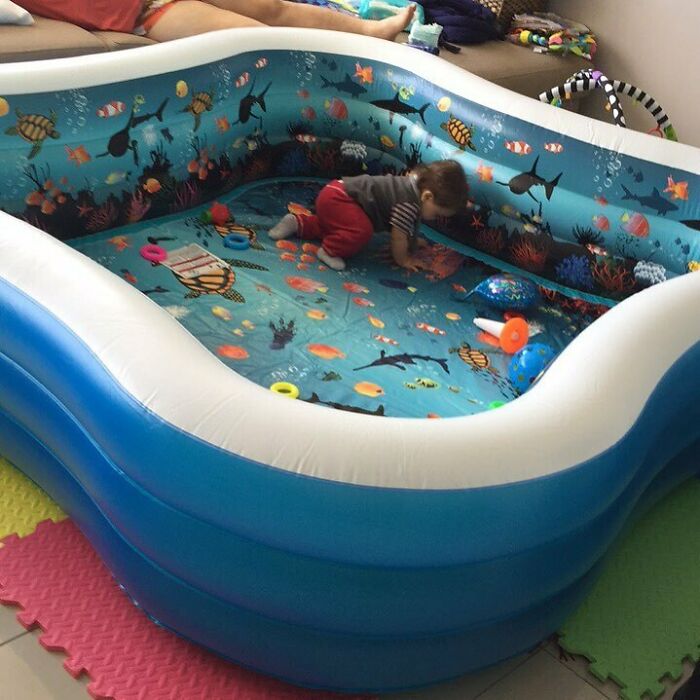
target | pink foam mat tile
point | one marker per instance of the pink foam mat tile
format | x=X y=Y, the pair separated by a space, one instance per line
x=52 y=574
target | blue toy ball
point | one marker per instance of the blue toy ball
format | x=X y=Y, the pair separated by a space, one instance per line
x=527 y=365
x=508 y=292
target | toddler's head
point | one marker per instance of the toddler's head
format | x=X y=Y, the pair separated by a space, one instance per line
x=443 y=188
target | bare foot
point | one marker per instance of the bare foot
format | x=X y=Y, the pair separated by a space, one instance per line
x=391 y=27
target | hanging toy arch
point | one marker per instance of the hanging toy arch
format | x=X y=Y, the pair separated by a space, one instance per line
x=589 y=80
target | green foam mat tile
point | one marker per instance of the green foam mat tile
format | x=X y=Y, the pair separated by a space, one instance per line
x=642 y=617
x=23 y=505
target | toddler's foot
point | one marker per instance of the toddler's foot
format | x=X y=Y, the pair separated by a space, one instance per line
x=391 y=27
x=286 y=227
x=333 y=262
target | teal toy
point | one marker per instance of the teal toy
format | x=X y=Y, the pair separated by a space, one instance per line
x=425 y=37
x=381 y=9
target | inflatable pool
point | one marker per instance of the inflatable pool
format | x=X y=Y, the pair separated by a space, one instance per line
x=340 y=539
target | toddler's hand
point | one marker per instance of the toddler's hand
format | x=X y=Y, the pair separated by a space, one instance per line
x=412 y=265
x=422 y=243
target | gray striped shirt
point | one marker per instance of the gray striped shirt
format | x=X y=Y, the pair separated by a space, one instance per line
x=388 y=200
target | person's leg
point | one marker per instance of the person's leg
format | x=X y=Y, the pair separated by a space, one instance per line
x=302 y=225
x=345 y=227
x=282 y=13
x=190 y=17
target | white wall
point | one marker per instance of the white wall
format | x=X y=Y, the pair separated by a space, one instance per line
x=654 y=44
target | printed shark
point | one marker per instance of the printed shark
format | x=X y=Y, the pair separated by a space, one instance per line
x=402 y=359
x=346 y=85
x=521 y=184
x=653 y=200
x=395 y=106
x=245 y=108
x=344 y=407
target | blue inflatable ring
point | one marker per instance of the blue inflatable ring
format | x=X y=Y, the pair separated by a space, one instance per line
x=236 y=241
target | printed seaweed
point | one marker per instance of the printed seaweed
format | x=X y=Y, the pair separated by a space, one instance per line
x=413 y=157
x=105 y=216
x=587 y=236
x=186 y=196
x=137 y=207
x=282 y=333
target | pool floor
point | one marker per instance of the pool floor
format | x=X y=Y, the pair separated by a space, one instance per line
x=371 y=339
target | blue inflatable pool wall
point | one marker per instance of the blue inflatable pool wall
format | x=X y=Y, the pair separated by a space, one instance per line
x=327 y=548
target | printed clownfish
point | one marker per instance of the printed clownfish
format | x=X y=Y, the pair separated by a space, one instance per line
x=520 y=148
x=430 y=329
x=553 y=147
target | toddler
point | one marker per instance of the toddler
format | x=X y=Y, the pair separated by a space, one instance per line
x=350 y=210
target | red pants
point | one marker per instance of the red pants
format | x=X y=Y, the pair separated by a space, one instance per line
x=340 y=222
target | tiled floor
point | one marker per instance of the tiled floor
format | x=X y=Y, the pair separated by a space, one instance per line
x=29 y=672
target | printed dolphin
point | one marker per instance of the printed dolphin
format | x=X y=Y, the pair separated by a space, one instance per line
x=653 y=200
x=395 y=106
x=521 y=184
x=402 y=359
x=346 y=85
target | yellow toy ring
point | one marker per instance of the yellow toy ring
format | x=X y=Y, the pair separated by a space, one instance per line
x=285 y=389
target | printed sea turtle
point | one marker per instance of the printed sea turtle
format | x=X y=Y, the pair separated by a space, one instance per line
x=460 y=132
x=201 y=102
x=218 y=281
x=34 y=128
x=230 y=227
x=474 y=358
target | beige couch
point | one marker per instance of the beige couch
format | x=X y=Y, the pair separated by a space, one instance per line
x=511 y=66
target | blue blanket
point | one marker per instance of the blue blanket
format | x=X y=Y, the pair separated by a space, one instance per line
x=464 y=21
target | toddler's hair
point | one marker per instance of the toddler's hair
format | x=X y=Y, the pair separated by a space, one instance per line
x=447 y=181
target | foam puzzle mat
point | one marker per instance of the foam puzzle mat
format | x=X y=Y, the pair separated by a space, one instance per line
x=85 y=613
x=23 y=505
x=643 y=616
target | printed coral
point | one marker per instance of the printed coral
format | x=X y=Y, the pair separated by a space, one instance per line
x=530 y=252
x=613 y=276
x=575 y=271
x=491 y=240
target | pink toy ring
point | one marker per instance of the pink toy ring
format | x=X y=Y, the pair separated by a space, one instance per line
x=153 y=253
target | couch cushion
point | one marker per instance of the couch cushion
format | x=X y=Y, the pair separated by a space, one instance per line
x=47 y=38
x=515 y=67
x=115 y=41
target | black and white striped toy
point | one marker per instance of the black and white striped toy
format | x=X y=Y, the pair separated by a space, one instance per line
x=589 y=80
